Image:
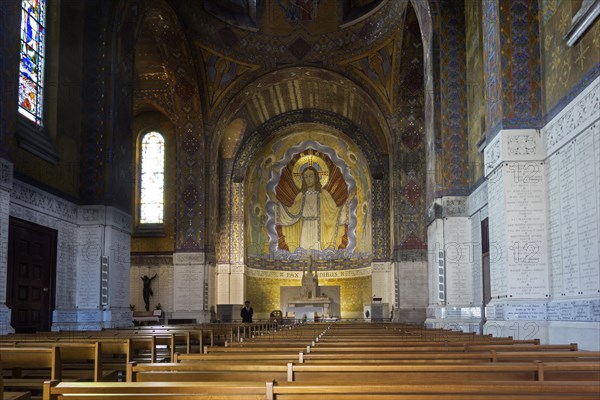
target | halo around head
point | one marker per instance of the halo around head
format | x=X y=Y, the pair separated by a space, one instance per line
x=310 y=160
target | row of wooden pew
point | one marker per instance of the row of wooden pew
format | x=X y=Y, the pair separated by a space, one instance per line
x=27 y=360
x=350 y=361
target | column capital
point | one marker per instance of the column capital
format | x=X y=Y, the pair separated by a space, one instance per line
x=513 y=145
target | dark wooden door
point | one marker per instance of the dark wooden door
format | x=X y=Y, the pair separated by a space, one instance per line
x=31 y=272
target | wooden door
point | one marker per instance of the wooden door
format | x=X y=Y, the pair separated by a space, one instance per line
x=31 y=275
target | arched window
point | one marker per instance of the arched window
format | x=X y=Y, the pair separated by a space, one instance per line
x=152 y=179
x=33 y=54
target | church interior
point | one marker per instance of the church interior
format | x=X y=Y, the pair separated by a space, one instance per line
x=434 y=163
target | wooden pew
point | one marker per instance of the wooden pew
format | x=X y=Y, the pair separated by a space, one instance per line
x=446 y=357
x=233 y=357
x=183 y=336
x=201 y=372
x=11 y=395
x=303 y=391
x=502 y=390
x=366 y=373
x=19 y=359
x=114 y=353
x=423 y=374
x=83 y=357
x=54 y=390
x=140 y=348
x=19 y=362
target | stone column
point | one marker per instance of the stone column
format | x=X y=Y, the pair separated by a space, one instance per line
x=6 y=183
x=478 y=211
x=451 y=303
x=237 y=284
x=189 y=287
x=411 y=299
x=382 y=282
x=518 y=235
x=223 y=277
x=231 y=270
x=103 y=260
x=573 y=173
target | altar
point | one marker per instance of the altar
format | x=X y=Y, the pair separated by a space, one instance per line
x=310 y=301
x=317 y=307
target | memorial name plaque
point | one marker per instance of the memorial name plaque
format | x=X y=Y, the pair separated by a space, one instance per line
x=458 y=259
x=554 y=229
x=498 y=246
x=525 y=225
x=526 y=312
x=188 y=284
x=587 y=210
x=573 y=198
x=88 y=274
x=4 y=211
x=119 y=264
x=568 y=211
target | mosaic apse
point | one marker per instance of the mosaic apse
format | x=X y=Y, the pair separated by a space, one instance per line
x=308 y=193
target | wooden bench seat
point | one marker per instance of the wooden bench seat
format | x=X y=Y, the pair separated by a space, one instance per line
x=366 y=358
x=279 y=357
x=8 y=395
x=367 y=373
x=451 y=357
x=16 y=364
x=205 y=372
x=16 y=396
x=497 y=390
x=150 y=390
x=423 y=374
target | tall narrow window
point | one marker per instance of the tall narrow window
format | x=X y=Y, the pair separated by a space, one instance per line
x=31 y=69
x=152 y=180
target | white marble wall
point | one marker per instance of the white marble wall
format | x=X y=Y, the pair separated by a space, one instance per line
x=572 y=142
x=544 y=208
x=459 y=250
x=478 y=211
x=189 y=286
x=84 y=235
x=451 y=263
x=436 y=263
x=6 y=184
x=33 y=205
x=382 y=281
x=162 y=285
x=223 y=277
x=518 y=235
x=412 y=298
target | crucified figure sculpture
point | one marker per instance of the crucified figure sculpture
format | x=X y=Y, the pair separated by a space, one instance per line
x=147 y=290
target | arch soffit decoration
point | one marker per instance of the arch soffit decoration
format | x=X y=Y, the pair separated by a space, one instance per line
x=156 y=82
x=294 y=95
x=181 y=94
x=151 y=73
x=378 y=161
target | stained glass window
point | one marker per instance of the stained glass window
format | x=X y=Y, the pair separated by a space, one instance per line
x=152 y=179
x=31 y=69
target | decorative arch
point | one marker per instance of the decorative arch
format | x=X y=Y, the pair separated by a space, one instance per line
x=181 y=102
x=424 y=15
x=377 y=167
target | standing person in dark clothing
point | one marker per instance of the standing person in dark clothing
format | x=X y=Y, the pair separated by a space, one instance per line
x=247 y=312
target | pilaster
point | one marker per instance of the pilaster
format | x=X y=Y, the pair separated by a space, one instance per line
x=189 y=287
x=6 y=184
x=451 y=264
x=103 y=247
x=517 y=205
